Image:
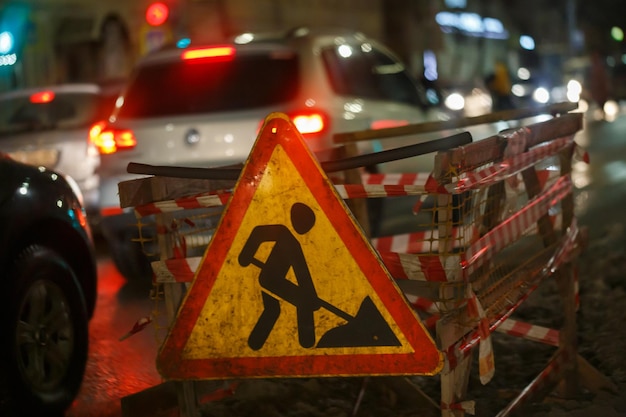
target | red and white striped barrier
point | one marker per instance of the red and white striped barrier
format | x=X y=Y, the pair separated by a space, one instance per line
x=515 y=226
x=175 y=270
x=509 y=167
x=463 y=347
x=419 y=267
x=426 y=241
x=214 y=199
x=529 y=331
x=418 y=178
x=183 y=271
x=218 y=199
x=373 y=186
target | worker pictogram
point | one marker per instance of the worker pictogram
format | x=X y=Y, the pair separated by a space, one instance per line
x=286 y=254
x=289 y=286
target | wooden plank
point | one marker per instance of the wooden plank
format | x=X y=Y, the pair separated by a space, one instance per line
x=454 y=388
x=559 y=127
x=429 y=127
x=187 y=399
x=161 y=188
x=475 y=154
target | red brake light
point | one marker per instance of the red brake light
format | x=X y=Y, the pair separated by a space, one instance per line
x=110 y=140
x=218 y=53
x=42 y=97
x=387 y=123
x=309 y=123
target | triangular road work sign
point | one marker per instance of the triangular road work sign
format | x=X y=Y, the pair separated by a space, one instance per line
x=289 y=286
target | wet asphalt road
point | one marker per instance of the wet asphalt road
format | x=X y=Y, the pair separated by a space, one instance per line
x=116 y=368
x=120 y=368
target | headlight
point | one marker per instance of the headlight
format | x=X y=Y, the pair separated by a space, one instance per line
x=455 y=102
x=518 y=90
x=541 y=95
x=574 y=89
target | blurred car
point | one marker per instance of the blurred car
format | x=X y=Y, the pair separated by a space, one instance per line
x=47 y=127
x=202 y=106
x=533 y=88
x=466 y=100
x=48 y=293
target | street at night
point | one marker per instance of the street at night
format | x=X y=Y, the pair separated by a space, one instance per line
x=120 y=368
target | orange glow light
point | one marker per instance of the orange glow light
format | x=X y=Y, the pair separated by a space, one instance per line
x=110 y=140
x=309 y=123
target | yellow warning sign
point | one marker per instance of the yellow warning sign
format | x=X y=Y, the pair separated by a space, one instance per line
x=290 y=286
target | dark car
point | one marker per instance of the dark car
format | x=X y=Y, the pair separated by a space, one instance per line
x=49 y=286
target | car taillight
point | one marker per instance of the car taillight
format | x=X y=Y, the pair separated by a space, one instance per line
x=110 y=140
x=387 y=123
x=214 y=53
x=42 y=97
x=310 y=122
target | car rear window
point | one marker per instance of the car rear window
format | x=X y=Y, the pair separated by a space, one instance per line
x=369 y=73
x=205 y=86
x=65 y=111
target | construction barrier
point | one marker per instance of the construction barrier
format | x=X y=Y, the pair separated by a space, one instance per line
x=491 y=222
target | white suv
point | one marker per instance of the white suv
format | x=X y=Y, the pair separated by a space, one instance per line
x=202 y=106
x=46 y=126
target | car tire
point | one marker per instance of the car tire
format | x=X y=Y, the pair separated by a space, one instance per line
x=45 y=322
x=125 y=251
x=130 y=260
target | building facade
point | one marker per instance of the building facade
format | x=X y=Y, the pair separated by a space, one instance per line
x=81 y=40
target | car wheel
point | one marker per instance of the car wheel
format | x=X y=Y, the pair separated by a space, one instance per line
x=126 y=252
x=45 y=328
x=130 y=260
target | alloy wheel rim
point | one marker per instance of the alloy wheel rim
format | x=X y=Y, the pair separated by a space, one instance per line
x=44 y=336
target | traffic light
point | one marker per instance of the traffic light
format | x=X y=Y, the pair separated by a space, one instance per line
x=157 y=14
